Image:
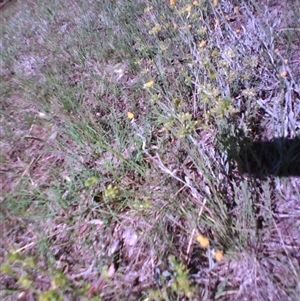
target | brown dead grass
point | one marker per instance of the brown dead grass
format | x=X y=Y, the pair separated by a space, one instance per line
x=35 y=152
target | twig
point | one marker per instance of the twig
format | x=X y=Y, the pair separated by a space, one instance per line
x=193 y=232
x=24 y=173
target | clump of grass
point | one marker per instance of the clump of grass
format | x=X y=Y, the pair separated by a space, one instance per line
x=131 y=140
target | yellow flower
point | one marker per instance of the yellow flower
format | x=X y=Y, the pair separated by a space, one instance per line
x=202 y=43
x=203 y=241
x=148 y=9
x=163 y=47
x=157 y=28
x=283 y=73
x=175 y=26
x=216 y=3
x=188 y=8
x=149 y=84
x=172 y=2
x=196 y=3
x=218 y=255
x=130 y=115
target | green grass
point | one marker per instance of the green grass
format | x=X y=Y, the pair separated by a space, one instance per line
x=96 y=205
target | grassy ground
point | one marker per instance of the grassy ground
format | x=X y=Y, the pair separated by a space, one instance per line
x=150 y=150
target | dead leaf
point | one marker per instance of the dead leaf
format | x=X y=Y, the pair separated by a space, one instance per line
x=99 y=283
x=82 y=229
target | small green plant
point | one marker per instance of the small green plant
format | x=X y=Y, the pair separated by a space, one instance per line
x=111 y=192
x=178 y=287
x=180 y=284
x=24 y=269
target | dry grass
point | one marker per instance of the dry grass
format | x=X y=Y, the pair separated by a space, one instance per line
x=139 y=140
